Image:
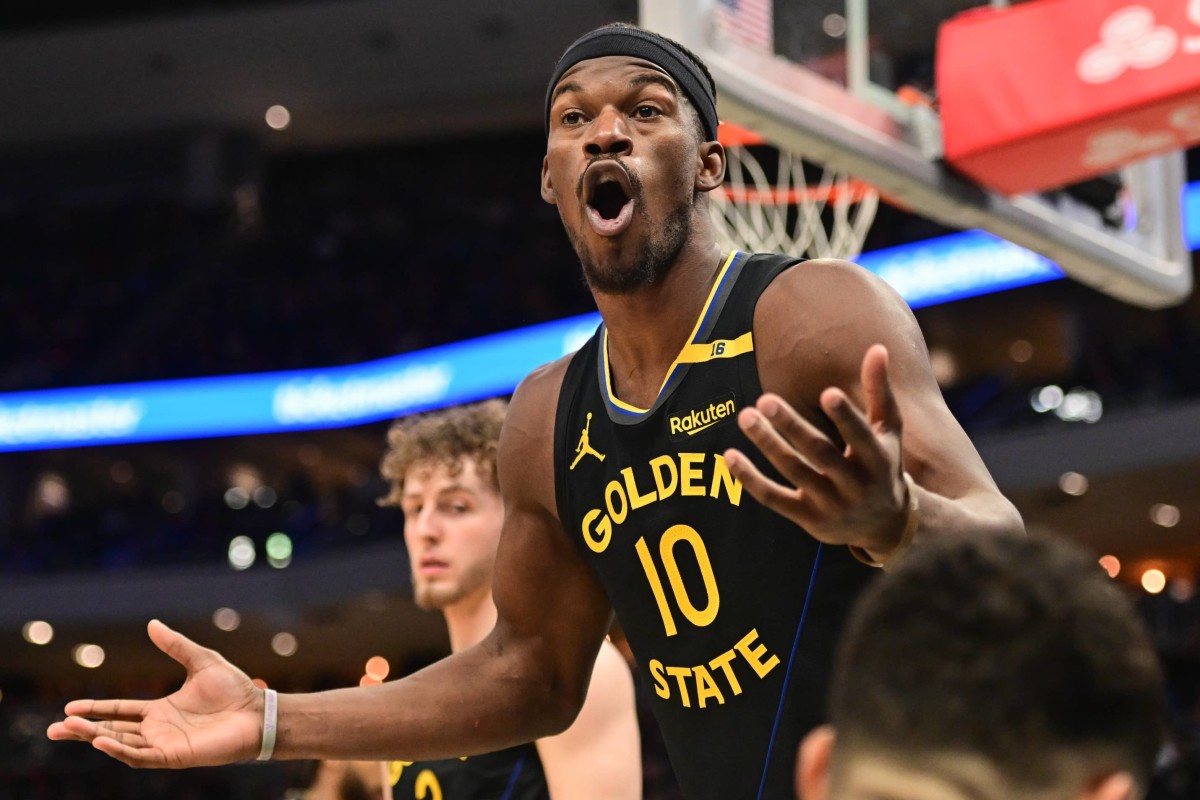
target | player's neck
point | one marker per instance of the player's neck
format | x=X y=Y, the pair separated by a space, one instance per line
x=647 y=328
x=470 y=619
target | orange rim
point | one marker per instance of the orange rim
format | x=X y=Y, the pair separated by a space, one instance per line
x=731 y=135
x=854 y=191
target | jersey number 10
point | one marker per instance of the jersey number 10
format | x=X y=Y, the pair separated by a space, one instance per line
x=675 y=535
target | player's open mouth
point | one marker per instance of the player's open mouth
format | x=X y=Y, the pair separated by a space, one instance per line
x=608 y=198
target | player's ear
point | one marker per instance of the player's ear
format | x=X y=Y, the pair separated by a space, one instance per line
x=711 y=158
x=812 y=763
x=1118 y=786
x=548 y=193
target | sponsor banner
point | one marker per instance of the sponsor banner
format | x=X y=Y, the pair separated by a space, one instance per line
x=956 y=266
x=282 y=401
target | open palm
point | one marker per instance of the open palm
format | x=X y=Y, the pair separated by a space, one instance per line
x=214 y=718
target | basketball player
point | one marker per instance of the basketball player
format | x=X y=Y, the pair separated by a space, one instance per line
x=712 y=465
x=442 y=468
x=993 y=669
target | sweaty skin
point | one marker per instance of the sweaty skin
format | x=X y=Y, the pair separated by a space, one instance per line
x=816 y=328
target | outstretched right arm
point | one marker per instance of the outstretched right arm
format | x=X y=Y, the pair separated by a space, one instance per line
x=526 y=680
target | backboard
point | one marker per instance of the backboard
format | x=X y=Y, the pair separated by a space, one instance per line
x=846 y=82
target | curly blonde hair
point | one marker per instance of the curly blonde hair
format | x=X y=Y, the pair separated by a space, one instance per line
x=444 y=438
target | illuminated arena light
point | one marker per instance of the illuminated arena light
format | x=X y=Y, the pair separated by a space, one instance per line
x=88 y=656
x=284 y=644
x=1164 y=514
x=1073 y=483
x=38 y=632
x=1154 y=581
x=226 y=619
x=378 y=667
x=279 y=550
x=241 y=552
x=278 y=117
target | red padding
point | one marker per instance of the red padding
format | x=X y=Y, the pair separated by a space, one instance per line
x=1052 y=92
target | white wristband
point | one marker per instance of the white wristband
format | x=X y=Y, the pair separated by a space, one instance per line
x=270 y=722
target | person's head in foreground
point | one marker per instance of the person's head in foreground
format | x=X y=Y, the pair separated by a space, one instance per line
x=990 y=669
x=442 y=469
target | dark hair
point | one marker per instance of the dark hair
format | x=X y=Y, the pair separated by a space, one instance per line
x=1020 y=651
x=444 y=438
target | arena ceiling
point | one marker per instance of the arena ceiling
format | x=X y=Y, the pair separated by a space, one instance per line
x=348 y=70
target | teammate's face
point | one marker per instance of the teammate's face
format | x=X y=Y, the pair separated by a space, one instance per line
x=451 y=527
x=624 y=164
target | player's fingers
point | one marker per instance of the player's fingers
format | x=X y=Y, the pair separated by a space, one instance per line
x=107 y=709
x=809 y=441
x=137 y=757
x=783 y=500
x=882 y=409
x=856 y=431
x=191 y=655
x=61 y=733
x=127 y=732
x=782 y=455
x=134 y=740
x=82 y=730
x=74 y=729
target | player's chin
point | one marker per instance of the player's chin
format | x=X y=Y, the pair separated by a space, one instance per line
x=433 y=598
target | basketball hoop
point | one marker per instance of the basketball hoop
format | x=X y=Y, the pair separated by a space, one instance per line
x=806 y=211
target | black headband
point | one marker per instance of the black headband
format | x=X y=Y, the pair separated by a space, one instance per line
x=658 y=51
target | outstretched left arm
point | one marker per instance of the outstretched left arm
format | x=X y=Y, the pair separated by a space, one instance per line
x=850 y=405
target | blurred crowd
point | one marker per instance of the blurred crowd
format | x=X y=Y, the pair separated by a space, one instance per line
x=332 y=260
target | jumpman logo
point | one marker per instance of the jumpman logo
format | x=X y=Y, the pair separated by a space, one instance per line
x=584 y=448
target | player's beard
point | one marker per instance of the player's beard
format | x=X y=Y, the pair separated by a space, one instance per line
x=436 y=595
x=654 y=258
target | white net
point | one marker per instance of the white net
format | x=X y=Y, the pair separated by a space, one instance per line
x=791 y=206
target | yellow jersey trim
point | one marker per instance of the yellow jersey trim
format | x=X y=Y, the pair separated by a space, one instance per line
x=692 y=352
x=721 y=348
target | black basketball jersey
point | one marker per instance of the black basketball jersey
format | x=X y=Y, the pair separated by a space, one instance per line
x=512 y=774
x=731 y=610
